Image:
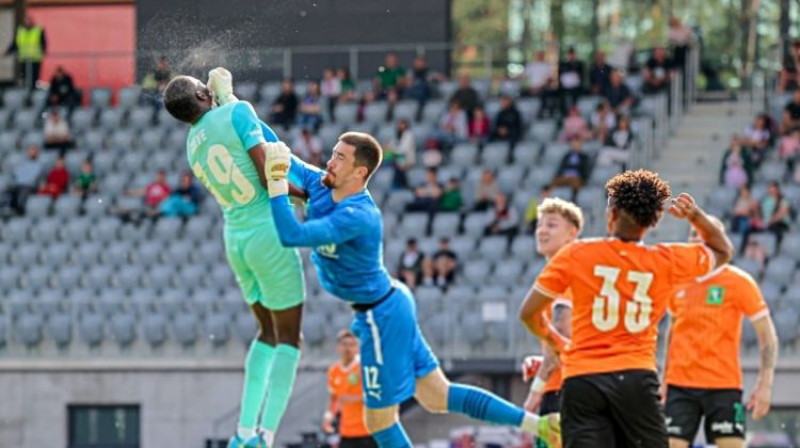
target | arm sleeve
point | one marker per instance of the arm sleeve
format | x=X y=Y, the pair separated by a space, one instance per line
x=344 y=224
x=749 y=298
x=247 y=125
x=555 y=279
x=302 y=173
x=690 y=261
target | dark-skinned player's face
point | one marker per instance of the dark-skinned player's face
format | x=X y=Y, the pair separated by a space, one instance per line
x=341 y=167
x=202 y=94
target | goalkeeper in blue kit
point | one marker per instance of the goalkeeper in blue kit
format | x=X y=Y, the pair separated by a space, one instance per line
x=345 y=229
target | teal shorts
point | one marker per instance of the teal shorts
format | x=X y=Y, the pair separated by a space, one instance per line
x=267 y=272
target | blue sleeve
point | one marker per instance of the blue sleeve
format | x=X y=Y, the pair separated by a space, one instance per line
x=302 y=173
x=247 y=125
x=340 y=226
x=269 y=134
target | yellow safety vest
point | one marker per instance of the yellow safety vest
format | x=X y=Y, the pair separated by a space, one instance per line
x=29 y=44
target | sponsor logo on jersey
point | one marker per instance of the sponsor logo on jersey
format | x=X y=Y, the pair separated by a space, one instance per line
x=715 y=295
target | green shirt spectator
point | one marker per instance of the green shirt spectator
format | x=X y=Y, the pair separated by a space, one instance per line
x=451 y=200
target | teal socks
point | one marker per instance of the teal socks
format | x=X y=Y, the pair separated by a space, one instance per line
x=256 y=369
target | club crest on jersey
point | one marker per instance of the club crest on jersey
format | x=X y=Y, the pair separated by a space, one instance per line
x=715 y=295
x=328 y=251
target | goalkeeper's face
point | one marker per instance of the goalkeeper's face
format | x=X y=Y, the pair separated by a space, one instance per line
x=341 y=169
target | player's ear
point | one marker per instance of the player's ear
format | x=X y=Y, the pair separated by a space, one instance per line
x=362 y=171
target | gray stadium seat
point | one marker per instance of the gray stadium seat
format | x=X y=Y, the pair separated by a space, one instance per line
x=36 y=138
x=510 y=178
x=413 y=224
x=68 y=277
x=82 y=119
x=123 y=329
x=245 y=327
x=184 y=328
x=790 y=246
x=59 y=328
x=67 y=206
x=772 y=171
x=25 y=255
x=445 y=224
x=129 y=97
x=37 y=206
x=29 y=330
x=105 y=230
x=786 y=325
x=45 y=230
x=543 y=130
x=159 y=276
x=97 y=206
x=122 y=140
x=749 y=266
x=507 y=272
x=198 y=228
x=767 y=240
x=472 y=329
x=176 y=140
x=178 y=252
x=406 y=110
x=25 y=119
x=9 y=277
x=526 y=153
x=151 y=139
x=98 y=277
x=16 y=230
x=493 y=248
x=475 y=272
x=100 y=97
x=94 y=139
x=15 y=97
x=4 y=326
x=154 y=329
x=217 y=329
x=57 y=254
x=167 y=229
x=397 y=201
x=246 y=90
x=464 y=155
x=779 y=270
x=132 y=161
x=111 y=119
x=37 y=277
x=9 y=140
x=192 y=275
x=222 y=276
x=346 y=114
x=314 y=330
x=49 y=302
x=523 y=248
x=495 y=155
x=723 y=197
x=129 y=277
x=161 y=160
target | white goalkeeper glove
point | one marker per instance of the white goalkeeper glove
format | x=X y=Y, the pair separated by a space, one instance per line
x=279 y=159
x=220 y=84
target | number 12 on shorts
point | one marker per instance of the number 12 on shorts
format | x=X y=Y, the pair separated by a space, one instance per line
x=371 y=383
x=605 y=309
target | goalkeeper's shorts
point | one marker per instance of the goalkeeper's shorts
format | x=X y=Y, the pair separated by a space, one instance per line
x=267 y=272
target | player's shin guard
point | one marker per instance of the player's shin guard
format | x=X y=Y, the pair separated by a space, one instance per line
x=256 y=370
x=281 y=381
x=482 y=405
x=392 y=437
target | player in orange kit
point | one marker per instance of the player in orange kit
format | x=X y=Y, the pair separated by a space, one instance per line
x=620 y=288
x=560 y=222
x=703 y=371
x=344 y=384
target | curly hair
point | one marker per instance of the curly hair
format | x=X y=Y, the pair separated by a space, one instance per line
x=640 y=194
x=179 y=99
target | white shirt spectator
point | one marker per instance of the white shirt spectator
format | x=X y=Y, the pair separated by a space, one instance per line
x=538 y=73
x=331 y=87
x=406 y=148
x=456 y=123
x=56 y=129
x=609 y=121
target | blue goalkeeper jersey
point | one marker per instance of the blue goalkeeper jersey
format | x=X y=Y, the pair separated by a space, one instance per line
x=347 y=237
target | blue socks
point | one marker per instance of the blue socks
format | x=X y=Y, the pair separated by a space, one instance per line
x=392 y=437
x=482 y=405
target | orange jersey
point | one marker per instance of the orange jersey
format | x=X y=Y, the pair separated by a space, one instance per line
x=555 y=381
x=620 y=290
x=344 y=382
x=707 y=328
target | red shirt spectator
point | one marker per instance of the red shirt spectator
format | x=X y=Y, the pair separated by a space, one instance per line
x=156 y=192
x=57 y=180
x=479 y=126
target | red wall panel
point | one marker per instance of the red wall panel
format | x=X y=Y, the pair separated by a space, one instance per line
x=96 y=44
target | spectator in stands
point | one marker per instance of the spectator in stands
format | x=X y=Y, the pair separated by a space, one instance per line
x=390 y=76
x=532 y=210
x=284 y=108
x=508 y=122
x=791 y=114
x=617 y=148
x=775 y=211
x=479 y=127
x=440 y=269
x=574 y=126
x=618 y=94
x=411 y=260
x=331 y=88
x=486 y=191
x=737 y=166
x=573 y=171
x=756 y=252
x=451 y=200
x=745 y=211
x=26 y=178
x=184 y=201
x=155 y=82
x=308 y=147
x=87 y=180
x=603 y=120
x=348 y=86
x=62 y=90
x=452 y=126
x=503 y=220
x=30 y=46
x=57 y=180
x=432 y=155
x=466 y=95
x=419 y=84
x=658 y=72
x=56 y=132
x=427 y=195
x=570 y=79
x=600 y=74
x=538 y=75
x=757 y=138
x=153 y=193
x=789 y=150
x=680 y=39
x=401 y=152
x=310 y=115
x=790 y=73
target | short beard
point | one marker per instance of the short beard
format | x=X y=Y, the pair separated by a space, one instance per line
x=327 y=180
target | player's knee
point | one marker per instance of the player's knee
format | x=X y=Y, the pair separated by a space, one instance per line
x=379 y=420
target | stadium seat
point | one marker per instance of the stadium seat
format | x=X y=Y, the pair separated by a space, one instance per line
x=510 y=178
x=413 y=225
x=543 y=131
x=129 y=97
x=154 y=329
x=100 y=98
x=474 y=224
x=217 y=329
x=82 y=119
x=790 y=246
x=68 y=277
x=526 y=154
x=9 y=278
x=749 y=266
x=509 y=87
x=495 y=155
x=493 y=248
x=38 y=206
x=375 y=112
x=472 y=329
x=25 y=119
x=786 y=325
x=4 y=326
x=772 y=171
x=122 y=329
x=314 y=330
x=105 y=230
x=37 y=277
x=36 y=138
x=29 y=330
x=111 y=119
x=24 y=256
x=15 y=230
x=779 y=270
x=159 y=277
x=464 y=155
x=15 y=98
x=346 y=114
x=122 y=140
x=192 y=275
x=523 y=248
x=56 y=254
x=246 y=328
x=476 y=271
x=445 y=224
x=222 y=276
x=67 y=206
x=507 y=272
x=185 y=328
x=59 y=328
x=98 y=277
x=129 y=277
x=94 y=140
x=9 y=139
x=767 y=240
x=397 y=201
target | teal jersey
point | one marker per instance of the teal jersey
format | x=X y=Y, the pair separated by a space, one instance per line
x=217 y=148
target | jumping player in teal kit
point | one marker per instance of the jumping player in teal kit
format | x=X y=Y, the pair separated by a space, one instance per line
x=226 y=151
x=345 y=228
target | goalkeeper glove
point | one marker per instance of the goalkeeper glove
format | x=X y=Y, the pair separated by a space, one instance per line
x=279 y=159
x=220 y=84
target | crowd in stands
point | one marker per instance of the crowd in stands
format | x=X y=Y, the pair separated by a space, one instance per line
x=437 y=269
